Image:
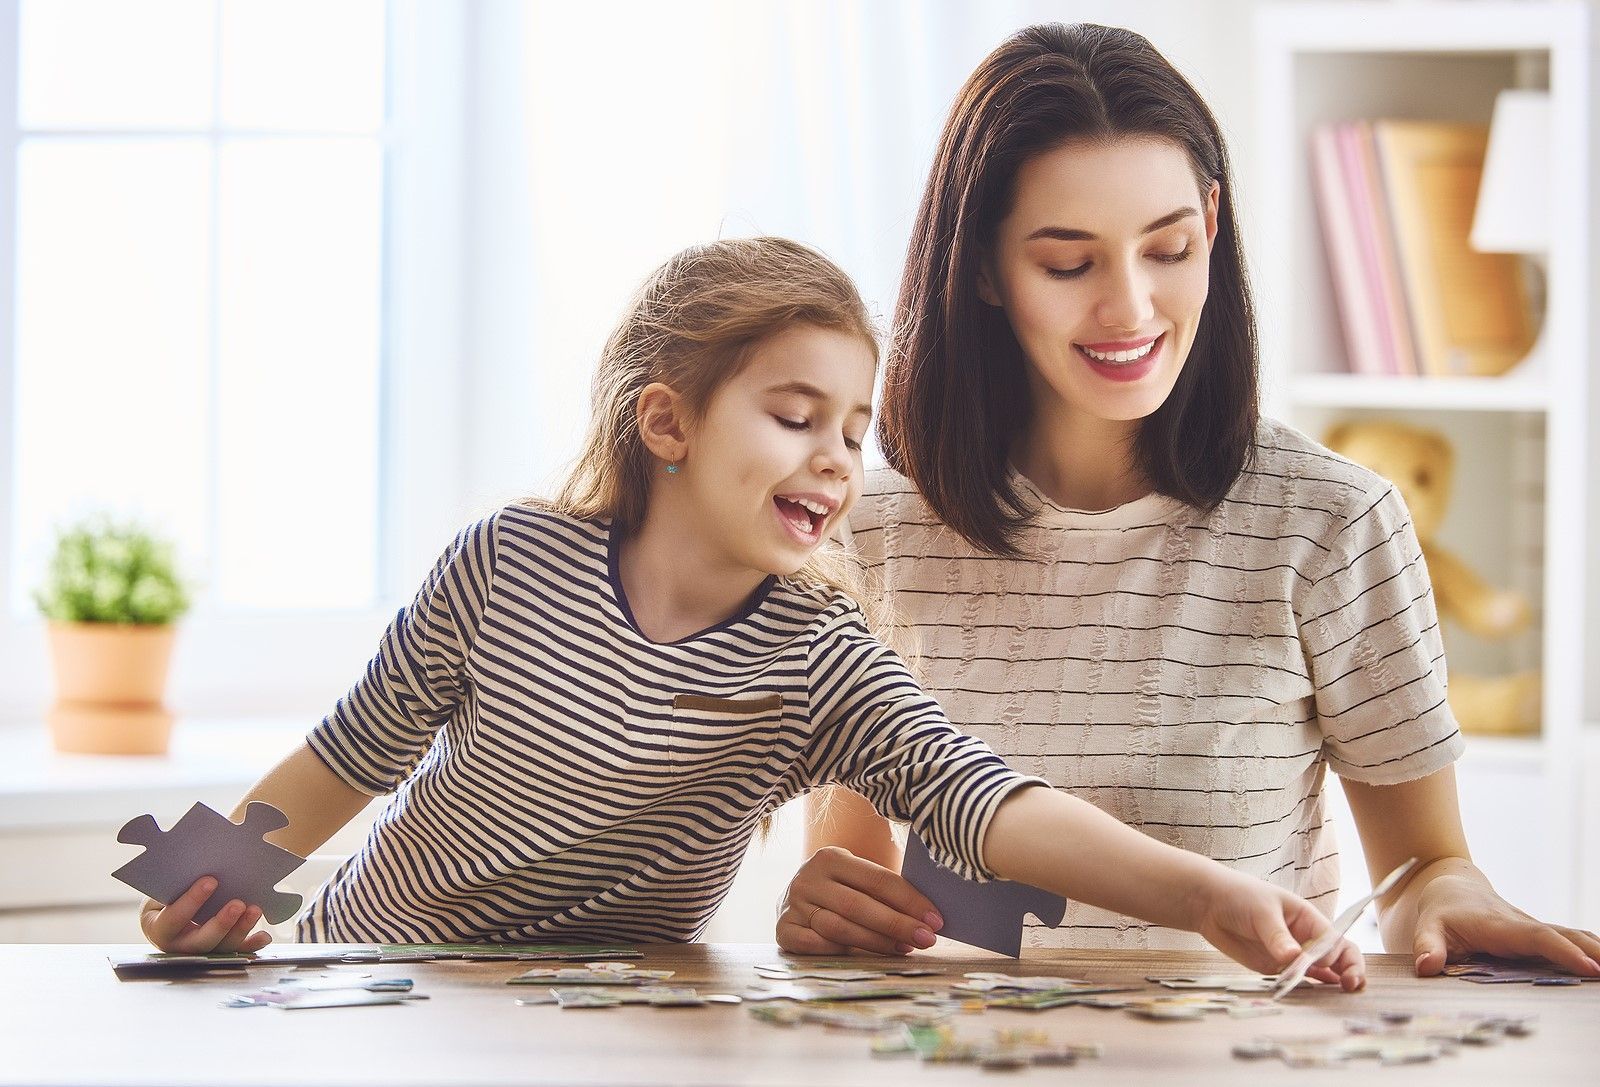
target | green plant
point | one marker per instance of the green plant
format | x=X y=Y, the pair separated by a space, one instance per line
x=104 y=571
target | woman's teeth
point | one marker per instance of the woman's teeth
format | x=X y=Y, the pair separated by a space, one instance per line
x=1118 y=356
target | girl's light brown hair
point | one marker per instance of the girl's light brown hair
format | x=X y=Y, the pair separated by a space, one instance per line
x=692 y=326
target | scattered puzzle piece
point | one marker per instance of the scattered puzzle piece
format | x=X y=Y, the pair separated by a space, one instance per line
x=1490 y=971
x=204 y=843
x=1228 y=983
x=1391 y=1038
x=987 y=915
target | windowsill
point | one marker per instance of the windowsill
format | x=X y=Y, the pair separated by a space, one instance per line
x=209 y=756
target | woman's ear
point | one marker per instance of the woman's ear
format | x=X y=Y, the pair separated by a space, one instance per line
x=663 y=425
x=986 y=283
x=1213 y=199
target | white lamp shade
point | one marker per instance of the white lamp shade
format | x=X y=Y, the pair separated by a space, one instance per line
x=1513 y=214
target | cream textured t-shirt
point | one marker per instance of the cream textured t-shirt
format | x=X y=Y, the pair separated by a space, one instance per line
x=1193 y=674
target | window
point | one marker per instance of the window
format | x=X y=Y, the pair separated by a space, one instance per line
x=199 y=276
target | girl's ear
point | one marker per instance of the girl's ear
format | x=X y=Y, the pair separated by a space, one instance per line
x=662 y=422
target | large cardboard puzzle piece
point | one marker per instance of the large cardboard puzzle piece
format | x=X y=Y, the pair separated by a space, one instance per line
x=987 y=915
x=205 y=843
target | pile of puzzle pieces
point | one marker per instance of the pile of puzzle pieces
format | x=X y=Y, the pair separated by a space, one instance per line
x=1390 y=1038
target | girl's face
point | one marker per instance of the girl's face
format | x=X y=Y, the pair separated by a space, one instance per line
x=1102 y=269
x=774 y=464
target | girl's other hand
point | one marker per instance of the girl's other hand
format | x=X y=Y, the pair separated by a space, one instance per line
x=172 y=928
x=1264 y=927
x=839 y=902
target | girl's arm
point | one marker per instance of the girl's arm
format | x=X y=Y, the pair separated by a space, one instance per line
x=317 y=802
x=1447 y=907
x=1053 y=840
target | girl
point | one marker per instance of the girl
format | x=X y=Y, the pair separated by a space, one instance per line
x=591 y=703
x=1121 y=577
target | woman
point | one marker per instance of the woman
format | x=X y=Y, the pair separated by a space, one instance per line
x=1110 y=567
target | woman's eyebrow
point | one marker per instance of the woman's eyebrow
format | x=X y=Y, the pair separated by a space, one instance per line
x=1073 y=234
x=811 y=392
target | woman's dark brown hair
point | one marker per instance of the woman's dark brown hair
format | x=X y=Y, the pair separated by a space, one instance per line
x=955 y=388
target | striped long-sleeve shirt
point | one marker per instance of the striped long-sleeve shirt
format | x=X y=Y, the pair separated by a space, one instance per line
x=560 y=775
x=1194 y=674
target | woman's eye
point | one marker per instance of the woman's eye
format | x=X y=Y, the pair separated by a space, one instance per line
x=793 y=424
x=1174 y=258
x=1067 y=273
x=852 y=444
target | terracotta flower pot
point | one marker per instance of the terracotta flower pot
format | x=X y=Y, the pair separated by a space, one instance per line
x=110 y=679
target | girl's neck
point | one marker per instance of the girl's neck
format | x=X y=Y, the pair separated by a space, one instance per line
x=677 y=583
x=1082 y=463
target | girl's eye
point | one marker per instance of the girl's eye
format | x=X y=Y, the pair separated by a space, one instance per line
x=793 y=424
x=852 y=444
x=1067 y=273
x=1174 y=258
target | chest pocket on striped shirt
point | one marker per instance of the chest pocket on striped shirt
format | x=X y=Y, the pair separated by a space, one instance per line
x=716 y=737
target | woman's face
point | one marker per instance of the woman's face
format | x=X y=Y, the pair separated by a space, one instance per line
x=1102 y=269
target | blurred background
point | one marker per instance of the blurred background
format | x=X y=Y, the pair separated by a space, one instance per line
x=305 y=286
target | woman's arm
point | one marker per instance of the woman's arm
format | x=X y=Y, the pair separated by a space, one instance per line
x=1447 y=908
x=849 y=895
x=317 y=803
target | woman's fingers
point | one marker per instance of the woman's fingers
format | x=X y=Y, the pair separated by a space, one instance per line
x=839 y=901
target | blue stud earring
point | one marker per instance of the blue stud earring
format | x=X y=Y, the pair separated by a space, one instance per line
x=672 y=469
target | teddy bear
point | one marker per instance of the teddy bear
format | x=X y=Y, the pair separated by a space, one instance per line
x=1421 y=464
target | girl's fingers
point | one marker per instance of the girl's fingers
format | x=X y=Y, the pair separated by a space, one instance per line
x=236 y=936
x=172 y=923
x=202 y=940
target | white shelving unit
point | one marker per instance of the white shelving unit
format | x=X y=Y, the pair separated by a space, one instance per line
x=1518 y=509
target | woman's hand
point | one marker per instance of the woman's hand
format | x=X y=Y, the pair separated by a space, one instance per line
x=172 y=928
x=1459 y=913
x=839 y=903
x=1264 y=927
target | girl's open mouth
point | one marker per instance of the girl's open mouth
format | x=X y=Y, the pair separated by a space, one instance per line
x=804 y=517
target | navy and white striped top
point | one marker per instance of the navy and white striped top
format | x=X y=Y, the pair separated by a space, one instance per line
x=559 y=775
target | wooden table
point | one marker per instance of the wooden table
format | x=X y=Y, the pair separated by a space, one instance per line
x=66 y=1019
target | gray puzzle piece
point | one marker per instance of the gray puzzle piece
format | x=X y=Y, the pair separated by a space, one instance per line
x=204 y=843
x=987 y=915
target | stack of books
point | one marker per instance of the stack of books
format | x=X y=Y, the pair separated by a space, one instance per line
x=1396 y=200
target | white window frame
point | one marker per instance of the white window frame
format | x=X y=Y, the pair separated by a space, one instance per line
x=244 y=665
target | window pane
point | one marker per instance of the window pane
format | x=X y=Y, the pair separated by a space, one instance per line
x=112 y=263
x=303 y=64
x=299 y=346
x=114 y=64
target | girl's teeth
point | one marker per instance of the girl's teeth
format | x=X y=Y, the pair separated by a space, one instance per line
x=1119 y=356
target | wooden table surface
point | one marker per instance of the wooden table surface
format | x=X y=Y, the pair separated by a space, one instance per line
x=66 y=1019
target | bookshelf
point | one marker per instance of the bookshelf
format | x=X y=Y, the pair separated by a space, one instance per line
x=1518 y=512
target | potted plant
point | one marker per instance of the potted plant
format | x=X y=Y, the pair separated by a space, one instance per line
x=111 y=596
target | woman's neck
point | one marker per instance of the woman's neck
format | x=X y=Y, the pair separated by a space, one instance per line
x=1082 y=463
x=676 y=580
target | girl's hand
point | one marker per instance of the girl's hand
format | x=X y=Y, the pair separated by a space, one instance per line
x=1458 y=913
x=1264 y=927
x=172 y=928
x=839 y=902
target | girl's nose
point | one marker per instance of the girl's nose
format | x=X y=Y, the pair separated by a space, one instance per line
x=832 y=459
